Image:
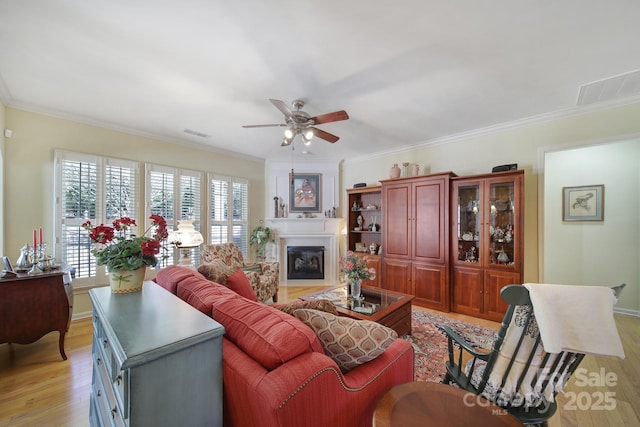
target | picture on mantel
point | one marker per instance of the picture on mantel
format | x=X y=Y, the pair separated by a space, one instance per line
x=305 y=192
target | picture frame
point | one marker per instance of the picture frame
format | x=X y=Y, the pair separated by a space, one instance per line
x=361 y=247
x=305 y=192
x=583 y=203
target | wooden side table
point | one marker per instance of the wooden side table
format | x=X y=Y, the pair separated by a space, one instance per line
x=436 y=404
x=32 y=305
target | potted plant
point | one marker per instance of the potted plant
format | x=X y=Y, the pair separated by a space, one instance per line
x=260 y=236
x=126 y=255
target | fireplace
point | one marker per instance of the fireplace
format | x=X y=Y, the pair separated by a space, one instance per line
x=322 y=232
x=305 y=262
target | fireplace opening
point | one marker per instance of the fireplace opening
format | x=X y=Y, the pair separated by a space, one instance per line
x=305 y=262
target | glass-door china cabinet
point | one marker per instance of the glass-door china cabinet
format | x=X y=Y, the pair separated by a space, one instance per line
x=487 y=246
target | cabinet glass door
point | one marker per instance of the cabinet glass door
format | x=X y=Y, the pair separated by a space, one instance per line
x=469 y=220
x=501 y=223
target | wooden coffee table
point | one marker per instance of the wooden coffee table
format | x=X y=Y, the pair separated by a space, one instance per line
x=436 y=404
x=391 y=309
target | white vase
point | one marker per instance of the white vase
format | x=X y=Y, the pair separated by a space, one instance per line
x=395 y=171
x=356 y=287
x=126 y=281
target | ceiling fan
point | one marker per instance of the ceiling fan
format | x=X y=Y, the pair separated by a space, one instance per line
x=301 y=123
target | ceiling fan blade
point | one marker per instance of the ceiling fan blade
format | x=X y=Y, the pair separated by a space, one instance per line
x=280 y=105
x=330 y=117
x=325 y=135
x=263 y=126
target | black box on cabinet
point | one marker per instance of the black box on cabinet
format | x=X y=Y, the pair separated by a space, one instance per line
x=503 y=168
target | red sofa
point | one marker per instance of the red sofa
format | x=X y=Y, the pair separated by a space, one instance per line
x=275 y=372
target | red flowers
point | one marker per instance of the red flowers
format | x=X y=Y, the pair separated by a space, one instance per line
x=150 y=247
x=126 y=251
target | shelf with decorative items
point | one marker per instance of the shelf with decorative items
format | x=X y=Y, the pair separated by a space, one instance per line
x=364 y=233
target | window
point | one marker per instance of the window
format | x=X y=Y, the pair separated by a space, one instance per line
x=90 y=188
x=175 y=194
x=229 y=211
x=101 y=189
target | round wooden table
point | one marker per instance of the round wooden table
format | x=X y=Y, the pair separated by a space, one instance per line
x=436 y=404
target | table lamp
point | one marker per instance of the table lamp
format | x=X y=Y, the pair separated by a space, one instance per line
x=185 y=238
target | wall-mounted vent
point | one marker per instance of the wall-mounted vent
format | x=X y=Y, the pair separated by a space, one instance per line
x=196 y=133
x=620 y=86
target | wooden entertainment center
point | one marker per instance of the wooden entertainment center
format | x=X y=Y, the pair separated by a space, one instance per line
x=452 y=242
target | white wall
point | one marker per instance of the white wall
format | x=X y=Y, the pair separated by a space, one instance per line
x=595 y=252
x=278 y=182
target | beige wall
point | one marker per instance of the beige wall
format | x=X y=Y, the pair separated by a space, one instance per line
x=2 y=142
x=523 y=144
x=28 y=170
x=28 y=157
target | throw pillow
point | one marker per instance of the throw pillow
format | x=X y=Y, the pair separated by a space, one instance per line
x=239 y=283
x=349 y=342
x=268 y=336
x=321 y=304
x=216 y=271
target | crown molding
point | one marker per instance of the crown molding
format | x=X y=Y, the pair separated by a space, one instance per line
x=494 y=129
x=128 y=130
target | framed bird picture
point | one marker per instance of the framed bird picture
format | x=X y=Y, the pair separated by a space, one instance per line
x=584 y=203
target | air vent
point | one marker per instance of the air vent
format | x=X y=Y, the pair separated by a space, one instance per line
x=620 y=86
x=196 y=133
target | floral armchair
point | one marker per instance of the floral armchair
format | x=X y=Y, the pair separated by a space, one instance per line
x=263 y=276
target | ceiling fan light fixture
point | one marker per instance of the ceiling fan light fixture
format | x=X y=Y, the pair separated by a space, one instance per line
x=306 y=141
x=288 y=134
x=308 y=134
x=286 y=142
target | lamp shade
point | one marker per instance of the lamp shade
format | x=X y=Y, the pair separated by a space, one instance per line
x=186 y=236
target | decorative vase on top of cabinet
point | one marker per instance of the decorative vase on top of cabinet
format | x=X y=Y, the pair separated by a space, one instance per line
x=487 y=241
x=415 y=238
x=364 y=227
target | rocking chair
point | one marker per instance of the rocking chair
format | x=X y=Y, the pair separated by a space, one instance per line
x=517 y=374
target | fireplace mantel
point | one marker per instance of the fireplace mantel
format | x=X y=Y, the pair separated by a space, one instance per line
x=325 y=232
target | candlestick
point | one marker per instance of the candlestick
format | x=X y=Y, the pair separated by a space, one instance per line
x=40 y=235
x=35 y=242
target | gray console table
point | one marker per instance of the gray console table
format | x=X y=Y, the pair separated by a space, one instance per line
x=157 y=361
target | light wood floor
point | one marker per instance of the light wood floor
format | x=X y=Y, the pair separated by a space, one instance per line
x=38 y=388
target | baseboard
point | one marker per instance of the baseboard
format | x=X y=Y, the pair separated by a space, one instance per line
x=626 y=311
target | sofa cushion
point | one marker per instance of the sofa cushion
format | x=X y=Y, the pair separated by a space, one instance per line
x=320 y=304
x=349 y=342
x=217 y=271
x=169 y=277
x=267 y=335
x=239 y=283
x=201 y=293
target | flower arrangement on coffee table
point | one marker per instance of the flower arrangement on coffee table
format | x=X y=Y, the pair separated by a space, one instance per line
x=354 y=267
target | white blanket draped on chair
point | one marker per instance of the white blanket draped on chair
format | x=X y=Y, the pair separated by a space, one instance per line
x=576 y=318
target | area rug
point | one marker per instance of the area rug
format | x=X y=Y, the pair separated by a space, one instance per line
x=430 y=343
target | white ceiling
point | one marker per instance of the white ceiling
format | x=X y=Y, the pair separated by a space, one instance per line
x=408 y=72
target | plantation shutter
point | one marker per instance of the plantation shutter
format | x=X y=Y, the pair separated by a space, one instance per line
x=190 y=203
x=161 y=193
x=241 y=215
x=229 y=211
x=89 y=188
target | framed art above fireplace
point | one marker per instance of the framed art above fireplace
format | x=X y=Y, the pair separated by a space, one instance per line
x=305 y=192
